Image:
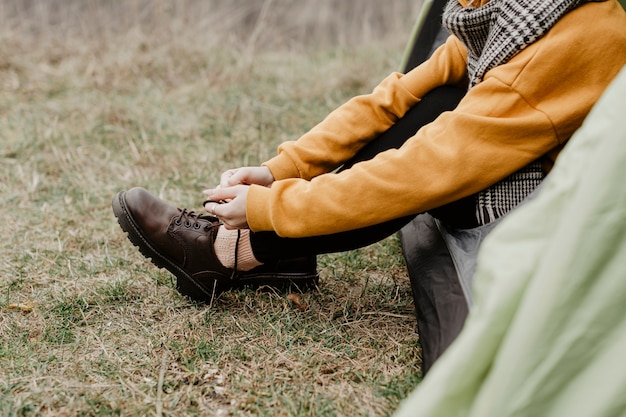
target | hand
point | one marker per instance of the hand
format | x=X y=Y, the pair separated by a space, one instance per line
x=233 y=212
x=246 y=176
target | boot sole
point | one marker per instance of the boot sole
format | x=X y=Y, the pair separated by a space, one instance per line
x=186 y=284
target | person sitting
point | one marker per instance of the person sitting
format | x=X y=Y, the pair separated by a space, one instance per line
x=465 y=136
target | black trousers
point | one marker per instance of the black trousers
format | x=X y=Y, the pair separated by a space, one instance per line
x=269 y=246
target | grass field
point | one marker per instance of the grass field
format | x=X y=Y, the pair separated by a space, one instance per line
x=98 y=96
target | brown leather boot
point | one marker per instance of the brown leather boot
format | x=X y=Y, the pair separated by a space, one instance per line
x=181 y=241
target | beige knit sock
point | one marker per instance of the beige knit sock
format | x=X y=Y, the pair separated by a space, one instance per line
x=225 y=244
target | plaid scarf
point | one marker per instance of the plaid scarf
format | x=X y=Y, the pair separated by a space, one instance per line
x=493 y=34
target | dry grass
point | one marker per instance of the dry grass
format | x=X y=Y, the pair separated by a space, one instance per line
x=97 y=96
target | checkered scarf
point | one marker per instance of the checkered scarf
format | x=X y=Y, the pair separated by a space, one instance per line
x=493 y=34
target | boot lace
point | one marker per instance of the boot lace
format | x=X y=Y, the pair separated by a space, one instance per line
x=190 y=219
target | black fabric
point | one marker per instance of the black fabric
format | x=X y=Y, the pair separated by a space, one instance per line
x=440 y=305
x=429 y=34
x=268 y=246
x=459 y=214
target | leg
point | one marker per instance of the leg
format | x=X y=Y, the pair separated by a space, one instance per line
x=440 y=305
x=184 y=242
x=268 y=246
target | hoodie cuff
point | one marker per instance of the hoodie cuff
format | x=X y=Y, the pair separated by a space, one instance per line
x=258 y=209
x=282 y=167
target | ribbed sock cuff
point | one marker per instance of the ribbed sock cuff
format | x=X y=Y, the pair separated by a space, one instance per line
x=225 y=244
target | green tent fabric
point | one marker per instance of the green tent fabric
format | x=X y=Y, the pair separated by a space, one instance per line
x=547 y=333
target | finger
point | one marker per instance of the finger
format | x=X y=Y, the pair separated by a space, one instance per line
x=240 y=176
x=231 y=223
x=225 y=178
x=211 y=206
x=227 y=193
x=218 y=194
x=228 y=226
x=221 y=211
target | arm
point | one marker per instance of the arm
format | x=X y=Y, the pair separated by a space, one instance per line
x=343 y=132
x=459 y=154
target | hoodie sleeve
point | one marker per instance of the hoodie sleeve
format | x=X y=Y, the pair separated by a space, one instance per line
x=459 y=154
x=522 y=110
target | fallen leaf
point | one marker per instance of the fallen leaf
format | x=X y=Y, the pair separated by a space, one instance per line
x=24 y=307
x=295 y=298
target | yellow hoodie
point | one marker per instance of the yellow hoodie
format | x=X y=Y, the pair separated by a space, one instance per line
x=522 y=110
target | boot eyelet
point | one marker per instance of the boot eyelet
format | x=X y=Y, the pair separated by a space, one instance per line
x=196 y=226
x=177 y=221
x=187 y=224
